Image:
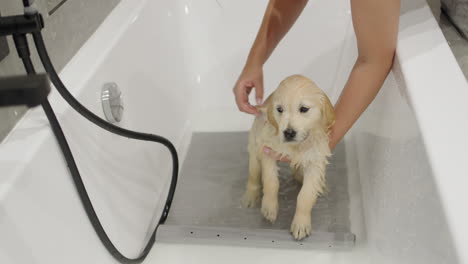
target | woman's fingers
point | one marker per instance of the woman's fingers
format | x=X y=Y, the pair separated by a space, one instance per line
x=259 y=91
x=251 y=78
x=241 y=92
x=274 y=155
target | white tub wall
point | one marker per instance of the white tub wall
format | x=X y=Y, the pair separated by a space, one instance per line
x=221 y=42
x=148 y=63
x=42 y=220
x=404 y=217
x=433 y=77
x=405 y=222
x=127 y=180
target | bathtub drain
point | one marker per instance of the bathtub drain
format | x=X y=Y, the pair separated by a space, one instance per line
x=112 y=103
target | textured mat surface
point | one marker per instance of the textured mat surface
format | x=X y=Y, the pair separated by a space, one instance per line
x=213 y=179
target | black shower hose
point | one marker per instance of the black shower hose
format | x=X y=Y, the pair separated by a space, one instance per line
x=23 y=51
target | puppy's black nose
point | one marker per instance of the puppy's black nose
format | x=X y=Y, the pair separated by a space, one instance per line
x=289 y=134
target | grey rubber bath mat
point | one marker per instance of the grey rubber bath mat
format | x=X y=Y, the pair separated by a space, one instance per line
x=206 y=207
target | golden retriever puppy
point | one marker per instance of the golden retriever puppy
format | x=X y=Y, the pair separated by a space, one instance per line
x=295 y=122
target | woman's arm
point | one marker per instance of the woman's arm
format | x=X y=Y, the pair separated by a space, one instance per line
x=279 y=17
x=376 y=25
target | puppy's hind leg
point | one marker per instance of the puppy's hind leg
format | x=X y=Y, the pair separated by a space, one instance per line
x=252 y=190
x=270 y=189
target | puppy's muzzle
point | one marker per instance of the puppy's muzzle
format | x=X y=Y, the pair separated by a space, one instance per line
x=289 y=134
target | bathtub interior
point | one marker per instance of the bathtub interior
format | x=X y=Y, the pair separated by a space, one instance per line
x=385 y=153
x=207 y=207
x=218 y=43
x=176 y=80
x=394 y=167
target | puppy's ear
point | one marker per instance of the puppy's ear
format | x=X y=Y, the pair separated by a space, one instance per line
x=262 y=108
x=328 y=113
x=271 y=118
x=267 y=108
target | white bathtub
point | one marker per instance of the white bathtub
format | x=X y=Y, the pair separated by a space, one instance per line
x=176 y=62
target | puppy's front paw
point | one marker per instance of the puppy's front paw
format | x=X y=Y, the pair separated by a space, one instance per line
x=301 y=226
x=270 y=208
x=250 y=199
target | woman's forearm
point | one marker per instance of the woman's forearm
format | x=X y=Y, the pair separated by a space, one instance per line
x=376 y=26
x=363 y=85
x=279 y=17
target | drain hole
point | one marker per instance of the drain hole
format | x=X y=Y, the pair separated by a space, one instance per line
x=272 y=241
x=217 y=235
x=191 y=232
x=245 y=238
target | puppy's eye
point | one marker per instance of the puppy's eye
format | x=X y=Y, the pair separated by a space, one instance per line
x=279 y=109
x=303 y=109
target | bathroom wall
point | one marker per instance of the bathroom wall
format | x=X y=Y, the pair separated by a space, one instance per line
x=454 y=25
x=69 y=23
x=457 y=12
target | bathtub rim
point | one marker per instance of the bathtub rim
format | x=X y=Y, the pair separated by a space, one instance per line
x=423 y=79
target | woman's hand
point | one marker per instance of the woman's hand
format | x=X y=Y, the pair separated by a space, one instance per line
x=274 y=155
x=251 y=77
x=279 y=17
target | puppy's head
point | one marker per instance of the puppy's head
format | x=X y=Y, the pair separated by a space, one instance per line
x=296 y=108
